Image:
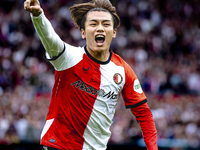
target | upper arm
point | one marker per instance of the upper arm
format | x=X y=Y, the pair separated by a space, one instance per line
x=132 y=92
x=68 y=58
x=49 y=38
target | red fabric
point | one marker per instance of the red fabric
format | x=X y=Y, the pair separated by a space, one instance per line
x=130 y=96
x=145 y=118
x=71 y=105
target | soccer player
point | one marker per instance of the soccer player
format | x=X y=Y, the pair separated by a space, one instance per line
x=88 y=81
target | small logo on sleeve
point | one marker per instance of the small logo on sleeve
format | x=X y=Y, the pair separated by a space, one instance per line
x=137 y=87
x=117 y=78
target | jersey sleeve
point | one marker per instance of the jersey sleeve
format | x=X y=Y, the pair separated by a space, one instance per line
x=145 y=118
x=60 y=54
x=132 y=92
x=50 y=40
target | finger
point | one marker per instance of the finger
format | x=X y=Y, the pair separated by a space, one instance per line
x=27 y=4
x=35 y=7
x=36 y=10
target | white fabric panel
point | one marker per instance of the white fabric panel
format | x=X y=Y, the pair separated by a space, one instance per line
x=71 y=56
x=46 y=127
x=50 y=40
x=54 y=45
x=104 y=108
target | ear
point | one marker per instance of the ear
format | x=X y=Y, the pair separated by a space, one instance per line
x=114 y=33
x=83 y=34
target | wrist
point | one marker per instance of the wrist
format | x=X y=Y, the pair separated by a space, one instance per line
x=36 y=13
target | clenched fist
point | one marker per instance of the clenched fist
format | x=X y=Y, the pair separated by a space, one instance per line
x=33 y=6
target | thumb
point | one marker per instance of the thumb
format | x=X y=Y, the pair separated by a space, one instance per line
x=35 y=10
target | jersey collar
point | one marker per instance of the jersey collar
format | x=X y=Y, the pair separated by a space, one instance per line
x=98 y=61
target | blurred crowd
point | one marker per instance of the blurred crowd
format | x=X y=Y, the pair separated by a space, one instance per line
x=160 y=40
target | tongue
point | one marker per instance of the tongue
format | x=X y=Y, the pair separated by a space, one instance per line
x=99 y=41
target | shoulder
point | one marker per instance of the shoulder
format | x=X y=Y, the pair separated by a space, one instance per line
x=119 y=61
x=72 y=48
x=70 y=57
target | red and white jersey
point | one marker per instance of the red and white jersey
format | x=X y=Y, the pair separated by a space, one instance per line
x=84 y=98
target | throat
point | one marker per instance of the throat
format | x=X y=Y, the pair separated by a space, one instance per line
x=99 y=55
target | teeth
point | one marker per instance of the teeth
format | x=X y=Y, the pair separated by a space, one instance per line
x=99 y=36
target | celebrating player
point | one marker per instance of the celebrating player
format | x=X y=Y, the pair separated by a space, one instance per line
x=88 y=81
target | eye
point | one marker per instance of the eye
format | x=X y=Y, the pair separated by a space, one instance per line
x=106 y=24
x=93 y=24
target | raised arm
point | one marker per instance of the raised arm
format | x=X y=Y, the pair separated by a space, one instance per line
x=50 y=40
x=33 y=6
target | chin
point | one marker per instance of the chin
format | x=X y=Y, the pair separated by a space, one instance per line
x=100 y=48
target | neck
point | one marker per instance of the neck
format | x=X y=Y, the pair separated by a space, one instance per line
x=99 y=55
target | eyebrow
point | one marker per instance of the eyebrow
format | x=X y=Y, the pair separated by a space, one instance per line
x=102 y=21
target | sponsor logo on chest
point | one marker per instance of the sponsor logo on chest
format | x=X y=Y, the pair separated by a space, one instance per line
x=91 y=90
x=83 y=87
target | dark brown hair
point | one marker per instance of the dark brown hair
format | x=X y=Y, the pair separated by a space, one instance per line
x=79 y=12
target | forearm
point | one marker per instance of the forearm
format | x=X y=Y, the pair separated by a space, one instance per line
x=50 y=40
x=144 y=117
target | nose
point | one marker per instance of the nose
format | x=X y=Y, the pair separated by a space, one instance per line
x=100 y=28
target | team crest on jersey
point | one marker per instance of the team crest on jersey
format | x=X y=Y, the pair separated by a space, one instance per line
x=118 y=78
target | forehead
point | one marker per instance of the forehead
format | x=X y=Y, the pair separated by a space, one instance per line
x=99 y=15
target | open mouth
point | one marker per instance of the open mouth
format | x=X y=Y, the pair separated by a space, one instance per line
x=100 y=39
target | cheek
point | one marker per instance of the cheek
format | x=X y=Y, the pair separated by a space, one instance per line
x=89 y=35
x=111 y=36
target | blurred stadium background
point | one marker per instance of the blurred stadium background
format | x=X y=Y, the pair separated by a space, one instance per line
x=160 y=39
